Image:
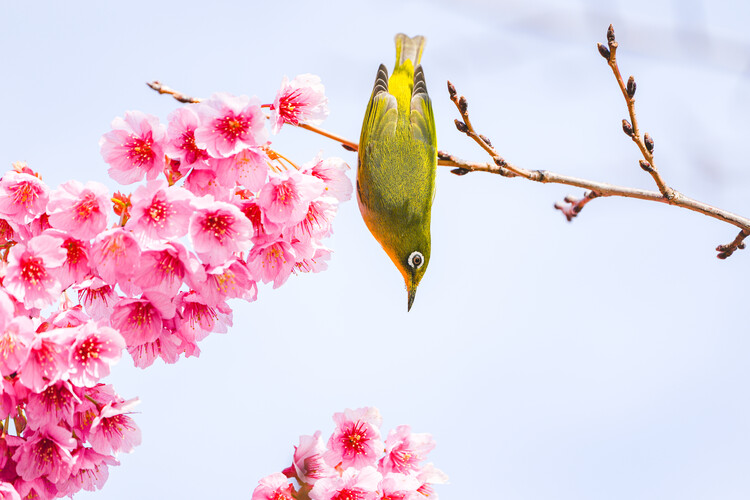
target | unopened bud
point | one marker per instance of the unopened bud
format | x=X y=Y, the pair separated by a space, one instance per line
x=451 y=90
x=603 y=50
x=646 y=166
x=463 y=105
x=347 y=147
x=610 y=35
x=485 y=139
x=627 y=128
x=649 y=143
x=461 y=126
x=500 y=162
x=631 y=87
x=460 y=171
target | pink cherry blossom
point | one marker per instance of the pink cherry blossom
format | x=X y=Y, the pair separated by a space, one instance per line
x=273 y=262
x=399 y=487
x=356 y=440
x=332 y=171
x=248 y=168
x=113 y=431
x=97 y=297
x=168 y=346
x=229 y=123
x=134 y=148
x=160 y=212
x=28 y=276
x=203 y=181
x=302 y=100
x=45 y=453
x=274 y=487
x=317 y=222
x=37 y=489
x=315 y=263
x=96 y=347
x=47 y=361
x=90 y=471
x=308 y=463
x=23 y=197
x=115 y=254
x=181 y=131
x=79 y=210
x=8 y=492
x=404 y=450
x=53 y=405
x=141 y=320
x=228 y=281
x=164 y=268
x=76 y=267
x=200 y=319
x=354 y=484
x=218 y=230
x=428 y=476
x=15 y=341
x=92 y=400
x=287 y=196
x=262 y=227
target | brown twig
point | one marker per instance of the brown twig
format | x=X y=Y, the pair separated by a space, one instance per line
x=645 y=143
x=738 y=244
x=163 y=89
x=574 y=205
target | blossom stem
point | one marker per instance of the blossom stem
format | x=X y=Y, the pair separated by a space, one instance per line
x=351 y=146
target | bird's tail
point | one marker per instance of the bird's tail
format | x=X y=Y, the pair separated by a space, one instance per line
x=409 y=48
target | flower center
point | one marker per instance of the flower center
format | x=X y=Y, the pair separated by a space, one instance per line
x=139 y=149
x=232 y=126
x=32 y=270
x=220 y=225
x=85 y=207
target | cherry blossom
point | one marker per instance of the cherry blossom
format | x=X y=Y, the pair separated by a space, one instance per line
x=134 y=148
x=228 y=124
x=302 y=100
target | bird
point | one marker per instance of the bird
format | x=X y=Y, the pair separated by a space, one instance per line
x=397 y=161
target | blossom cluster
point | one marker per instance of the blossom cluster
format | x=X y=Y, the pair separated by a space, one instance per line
x=355 y=464
x=216 y=211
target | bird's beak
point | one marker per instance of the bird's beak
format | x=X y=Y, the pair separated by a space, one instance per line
x=412 y=291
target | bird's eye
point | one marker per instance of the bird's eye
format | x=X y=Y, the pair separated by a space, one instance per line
x=415 y=260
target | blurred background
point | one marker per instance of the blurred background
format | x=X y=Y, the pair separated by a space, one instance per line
x=604 y=358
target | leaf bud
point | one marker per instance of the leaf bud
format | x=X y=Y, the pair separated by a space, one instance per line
x=649 y=143
x=627 y=128
x=646 y=166
x=461 y=126
x=631 y=87
x=460 y=171
x=610 y=35
x=451 y=90
x=603 y=50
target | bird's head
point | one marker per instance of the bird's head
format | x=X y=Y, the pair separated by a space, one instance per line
x=410 y=252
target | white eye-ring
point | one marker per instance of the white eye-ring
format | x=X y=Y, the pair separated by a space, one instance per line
x=415 y=260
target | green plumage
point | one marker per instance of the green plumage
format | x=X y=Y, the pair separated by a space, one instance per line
x=398 y=160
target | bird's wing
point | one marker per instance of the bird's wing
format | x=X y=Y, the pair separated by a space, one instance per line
x=422 y=119
x=382 y=111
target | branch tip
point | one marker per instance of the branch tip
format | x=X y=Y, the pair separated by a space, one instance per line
x=451 y=90
x=611 y=35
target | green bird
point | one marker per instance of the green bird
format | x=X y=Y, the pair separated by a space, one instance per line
x=397 y=163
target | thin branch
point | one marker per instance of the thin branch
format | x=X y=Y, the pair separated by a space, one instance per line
x=163 y=89
x=645 y=143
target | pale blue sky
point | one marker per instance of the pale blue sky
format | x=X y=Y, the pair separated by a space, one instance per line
x=603 y=359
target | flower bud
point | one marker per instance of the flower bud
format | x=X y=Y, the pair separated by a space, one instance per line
x=460 y=171
x=463 y=105
x=646 y=166
x=461 y=126
x=451 y=90
x=610 y=35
